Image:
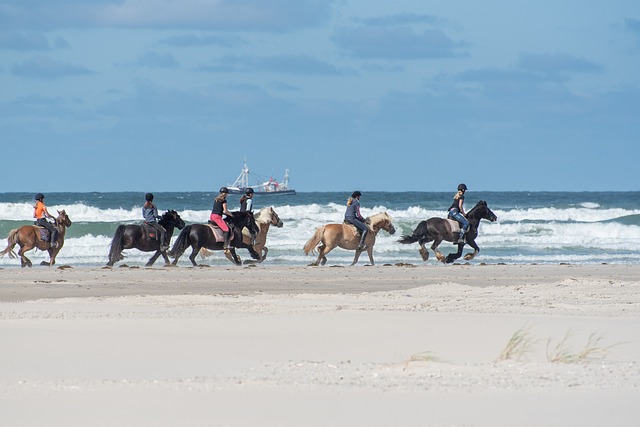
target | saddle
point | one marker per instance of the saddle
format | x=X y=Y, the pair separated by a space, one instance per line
x=218 y=233
x=45 y=235
x=355 y=229
x=454 y=225
x=151 y=231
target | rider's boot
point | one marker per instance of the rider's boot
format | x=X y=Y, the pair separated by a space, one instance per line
x=227 y=236
x=163 y=242
x=54 y=238
x=362 y=245
x=460 y=238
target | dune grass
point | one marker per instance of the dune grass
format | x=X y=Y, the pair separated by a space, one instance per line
x=519 y=345
x=592 y=350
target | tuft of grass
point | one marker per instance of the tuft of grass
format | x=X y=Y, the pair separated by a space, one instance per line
x=593 y=349
x=424 y=356
x=519 y=345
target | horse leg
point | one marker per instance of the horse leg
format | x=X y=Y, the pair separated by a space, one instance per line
x=434 y=247
x=320 y=260
x=370 y=253
x=166 y=259
x=154 y=258
x=24 y=261
x=52 y=257
x=454 y=256
x=232 y=256
x=424 y=252
x=357 y=256
x=193 y=255
x=322 y=256
x=476 y=249
x=265 y=251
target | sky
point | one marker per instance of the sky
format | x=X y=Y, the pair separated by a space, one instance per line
x=402 y=95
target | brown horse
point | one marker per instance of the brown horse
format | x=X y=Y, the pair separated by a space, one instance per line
x=265 y=219
x=346 y=237
x=28 y=237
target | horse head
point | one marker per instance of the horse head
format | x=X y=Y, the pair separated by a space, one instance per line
x=275 y=219
x=382 y=221
x=171 y=217
x=63 y=219
x=482 y=211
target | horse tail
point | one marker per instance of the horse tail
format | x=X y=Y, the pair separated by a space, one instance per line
x=116 y=245
x=419 y=233
x=311 y=244
x=11 y=242
x=182 y=242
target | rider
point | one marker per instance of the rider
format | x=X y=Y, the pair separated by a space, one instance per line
x=352 y=216
x=246 y=201
x=219 y=209
x=151 y=217
x=456 y=211
x=40 y=213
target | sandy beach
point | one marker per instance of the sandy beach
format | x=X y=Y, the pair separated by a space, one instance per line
x=395 y=345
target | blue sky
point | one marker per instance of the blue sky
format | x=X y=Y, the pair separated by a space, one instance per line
x=167 y=95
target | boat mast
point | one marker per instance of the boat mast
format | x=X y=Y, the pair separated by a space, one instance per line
x=243 y=179
x=285 y=180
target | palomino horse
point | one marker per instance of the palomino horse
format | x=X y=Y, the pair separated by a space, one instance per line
x=265 y=218
x=346 y=237
x=439 y=229
x=28 y=237
x=200 y=236
x=143 y=238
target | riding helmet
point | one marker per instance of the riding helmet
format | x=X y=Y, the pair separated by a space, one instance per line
x=148 y=197
x=356 y=194
x=224 y=190
x=462 y=187
x=39 y=196
x=248 y=191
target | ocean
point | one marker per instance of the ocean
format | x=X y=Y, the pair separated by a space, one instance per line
x=532 y=227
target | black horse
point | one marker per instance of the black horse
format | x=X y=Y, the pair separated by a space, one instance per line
x=200 y=236
x=439 y=229
x=143 y=238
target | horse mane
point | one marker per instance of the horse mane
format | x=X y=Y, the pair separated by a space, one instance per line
x=473 y=209
x=264 y=215
x=379 y=217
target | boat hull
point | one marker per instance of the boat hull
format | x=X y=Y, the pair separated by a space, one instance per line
x=264 y=193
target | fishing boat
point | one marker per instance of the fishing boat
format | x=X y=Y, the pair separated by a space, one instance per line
x=260 y=186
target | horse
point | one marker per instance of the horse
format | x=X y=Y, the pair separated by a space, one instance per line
x=439 y=229
x=143 y=238
x=265 y=218
x=28 y=237
x=345 y=236
x=200 y=236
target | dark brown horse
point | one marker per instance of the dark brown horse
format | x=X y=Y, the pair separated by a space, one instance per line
x=438 y=229
x=200 y=236
x=28 y=237
x=144 y=238
x=345 y=236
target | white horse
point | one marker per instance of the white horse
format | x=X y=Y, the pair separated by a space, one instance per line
x=265 y=219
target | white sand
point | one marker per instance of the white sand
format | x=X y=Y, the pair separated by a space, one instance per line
x=295 y=346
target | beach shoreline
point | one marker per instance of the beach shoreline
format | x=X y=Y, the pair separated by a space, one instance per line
x=67 y=281
x=388 y=345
